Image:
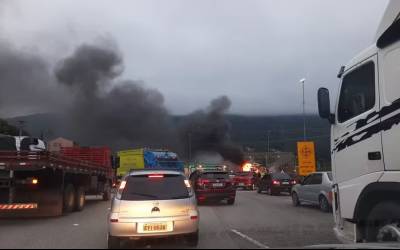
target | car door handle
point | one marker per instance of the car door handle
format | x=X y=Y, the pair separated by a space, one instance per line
x=374 y=156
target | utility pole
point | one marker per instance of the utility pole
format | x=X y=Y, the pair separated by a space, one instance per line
x=267 y=154
x=302 y=81
x=190 y=146
x=21 y=125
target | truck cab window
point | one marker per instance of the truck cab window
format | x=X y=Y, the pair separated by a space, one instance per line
x=358 y=92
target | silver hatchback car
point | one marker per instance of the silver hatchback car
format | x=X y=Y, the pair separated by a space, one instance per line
x=153 y=204
x=315 y=189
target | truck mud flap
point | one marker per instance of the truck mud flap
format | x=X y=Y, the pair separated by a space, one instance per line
x=49 y=205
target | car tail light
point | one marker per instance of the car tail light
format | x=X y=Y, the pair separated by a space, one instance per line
x=122 y=186
x=194 y=217
x=156 y=176
x=114 y=218
x=294 y=182
x=276 y=183
x=202 y=182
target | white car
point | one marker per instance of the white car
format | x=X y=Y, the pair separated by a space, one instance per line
x=154 y=204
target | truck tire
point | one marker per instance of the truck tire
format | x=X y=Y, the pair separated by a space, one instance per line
x=382 y=215
x=80 y=199
x=69 y=198
x=192 y=240
x=113 y=242
x=107 y=192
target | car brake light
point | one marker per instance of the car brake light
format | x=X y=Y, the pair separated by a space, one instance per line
x=276 y=182
x=156 y=176
x=294 y=182
x=114 y=220
x=202 y=182
x=194 y=217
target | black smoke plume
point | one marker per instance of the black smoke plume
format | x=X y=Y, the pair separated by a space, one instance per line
x=26 y=85
x=107 y=111
x=209 y=131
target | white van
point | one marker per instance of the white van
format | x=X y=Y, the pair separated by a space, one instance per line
x=366 y=139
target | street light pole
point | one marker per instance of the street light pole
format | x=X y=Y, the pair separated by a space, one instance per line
x=302 y=81
x=267 y=155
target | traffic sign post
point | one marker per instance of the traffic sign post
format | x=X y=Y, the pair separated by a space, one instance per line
x=306 y=158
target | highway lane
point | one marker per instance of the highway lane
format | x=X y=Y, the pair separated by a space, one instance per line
x=255 y=221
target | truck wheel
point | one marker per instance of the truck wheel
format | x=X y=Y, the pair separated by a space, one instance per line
x=259 y=190
x=295 y=199
x=383 y=221
x=107 y=192
x=80 y=199
x=324 y=204
x=113 y=242
x=193 y=239
x=69 y=198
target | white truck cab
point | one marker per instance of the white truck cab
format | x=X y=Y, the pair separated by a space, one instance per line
x=365 y=139
x=21 y=143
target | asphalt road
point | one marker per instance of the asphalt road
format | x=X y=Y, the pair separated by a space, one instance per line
x=255 y=221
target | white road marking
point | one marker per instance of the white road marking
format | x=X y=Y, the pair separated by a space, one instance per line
x=259 y=244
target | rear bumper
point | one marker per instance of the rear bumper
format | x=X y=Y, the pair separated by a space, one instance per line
x=282 y=188
x=130 y=229
x=201 y=196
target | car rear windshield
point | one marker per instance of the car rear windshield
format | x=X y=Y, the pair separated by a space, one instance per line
x=215 y=175
x=280 y=176
x=244 y=174
x=144 y=188
x=330 y=176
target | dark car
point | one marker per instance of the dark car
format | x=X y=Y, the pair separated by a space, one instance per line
x=245 y=180
x=213 y=186
x=276 y=183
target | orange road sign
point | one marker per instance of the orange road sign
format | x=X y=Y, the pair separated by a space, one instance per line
x=306 y=158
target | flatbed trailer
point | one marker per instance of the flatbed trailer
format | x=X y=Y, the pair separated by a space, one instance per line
x=46 y=185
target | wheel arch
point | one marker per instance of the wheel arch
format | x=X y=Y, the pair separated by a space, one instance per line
x=374 y=194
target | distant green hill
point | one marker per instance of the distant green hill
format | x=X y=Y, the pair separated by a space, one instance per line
x=248 y=131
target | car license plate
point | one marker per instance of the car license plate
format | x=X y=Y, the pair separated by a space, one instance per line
x=218 y=185
x=155 y=227
x=241 y=184
x=285 y=183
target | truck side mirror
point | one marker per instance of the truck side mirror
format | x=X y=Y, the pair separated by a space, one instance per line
x=390 y=36
x=324 y=105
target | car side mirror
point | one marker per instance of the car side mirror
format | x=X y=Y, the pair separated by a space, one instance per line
x=390 y=36
x=324 y=105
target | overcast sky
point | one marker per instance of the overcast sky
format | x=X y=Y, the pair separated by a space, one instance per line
x=253 y=51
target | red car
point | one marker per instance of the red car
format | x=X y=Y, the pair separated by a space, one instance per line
x=245 y=180
x=213 y=186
